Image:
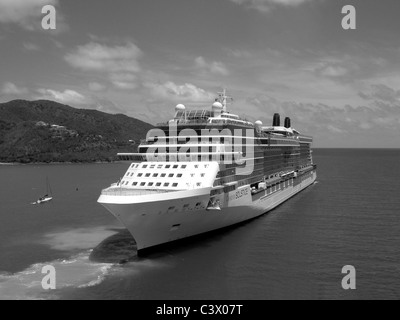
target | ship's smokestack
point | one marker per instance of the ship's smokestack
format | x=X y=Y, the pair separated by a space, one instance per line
x=288 y=123
x=277 y=120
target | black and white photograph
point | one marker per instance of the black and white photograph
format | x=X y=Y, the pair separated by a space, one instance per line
x=199 y=155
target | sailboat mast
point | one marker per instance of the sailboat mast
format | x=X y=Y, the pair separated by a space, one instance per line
x=48 y=187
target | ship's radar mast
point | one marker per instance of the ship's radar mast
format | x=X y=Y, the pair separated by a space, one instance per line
x=223 y=99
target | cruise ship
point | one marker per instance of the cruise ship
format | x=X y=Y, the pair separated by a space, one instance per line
x=207 y=169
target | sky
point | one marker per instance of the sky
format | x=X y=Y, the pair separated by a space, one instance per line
x=143 y=57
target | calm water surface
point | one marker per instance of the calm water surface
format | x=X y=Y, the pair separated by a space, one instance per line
x=297 y=251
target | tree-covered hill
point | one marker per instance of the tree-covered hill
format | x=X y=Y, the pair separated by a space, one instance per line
x=46 y=131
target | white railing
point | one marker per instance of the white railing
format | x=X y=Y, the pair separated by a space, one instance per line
x=131 y=192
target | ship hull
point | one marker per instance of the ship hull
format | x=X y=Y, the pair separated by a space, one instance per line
x=161 y=219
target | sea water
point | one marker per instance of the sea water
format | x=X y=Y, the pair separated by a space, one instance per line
x=297 y=251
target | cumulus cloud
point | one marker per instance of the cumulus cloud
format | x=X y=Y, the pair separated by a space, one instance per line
x=120 y=63
x=10 y=88
x=381 y=92
x=212 y=67
x=27 y=13
x=97 y=57
x=124 y=81
x=333 y=67
x=266 y=5
x=66 y=97
x=352 y=125
x=186 y=92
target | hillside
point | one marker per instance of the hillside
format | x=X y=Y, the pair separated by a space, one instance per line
x=46 y=131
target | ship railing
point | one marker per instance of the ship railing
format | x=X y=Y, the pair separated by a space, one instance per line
x=307 y=168
x=132 y=192
x=193 y=156
x=177 y=142
x=185 y=122
x=202 y=122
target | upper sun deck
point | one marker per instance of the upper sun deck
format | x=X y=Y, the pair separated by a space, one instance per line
x=203 y=122
x=205 y=117
x=218 y=116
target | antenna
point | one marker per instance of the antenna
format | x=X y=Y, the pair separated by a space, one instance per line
x=223 y=98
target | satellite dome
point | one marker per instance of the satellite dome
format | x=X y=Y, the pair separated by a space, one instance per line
x=180 y=107
x=217 y=106
x=258 y=123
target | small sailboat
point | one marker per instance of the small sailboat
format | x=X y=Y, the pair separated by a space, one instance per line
x=47 y=197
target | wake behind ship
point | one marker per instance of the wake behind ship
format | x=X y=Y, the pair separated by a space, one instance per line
x=207 y=169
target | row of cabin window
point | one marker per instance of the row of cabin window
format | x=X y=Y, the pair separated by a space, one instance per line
x=168 y=166
x=155 y=175
x=160 y=166
x=163 y=175
x=151 y=184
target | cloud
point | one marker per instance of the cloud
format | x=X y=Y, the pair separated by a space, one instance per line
x=334 y=67
x=334 y=129
x=67 y=97
x=333 y=71
x=238 y=53
x=76 y=99
x=373 y=124
x=266 y=5
x=212 y=67
x=124 y=81
x=186 y=92
x=97 y=87
x=10 y=88
x=382 y=93
x=28 y=46
x=120 y=63
x=57 y=44
x=28 y=13
x=108 y=106
x=97 y=57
